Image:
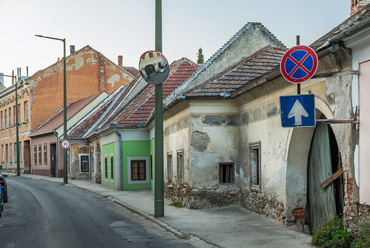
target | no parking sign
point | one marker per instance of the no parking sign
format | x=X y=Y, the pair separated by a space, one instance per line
x=298 y=64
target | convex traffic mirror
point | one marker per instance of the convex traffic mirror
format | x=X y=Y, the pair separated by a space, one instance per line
x=153 y=67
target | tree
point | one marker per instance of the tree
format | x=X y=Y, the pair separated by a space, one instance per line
x=200 y=55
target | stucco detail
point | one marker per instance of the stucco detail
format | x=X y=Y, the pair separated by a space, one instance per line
x=113 y=79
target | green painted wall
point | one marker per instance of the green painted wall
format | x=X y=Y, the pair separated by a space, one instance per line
x=108 y=150
x=135 y=149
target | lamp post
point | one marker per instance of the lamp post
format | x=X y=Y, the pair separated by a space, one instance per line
x=64 y=101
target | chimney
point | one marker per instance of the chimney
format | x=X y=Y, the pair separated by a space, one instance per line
x=120 y=59
x=356 y=5
x=72 y=49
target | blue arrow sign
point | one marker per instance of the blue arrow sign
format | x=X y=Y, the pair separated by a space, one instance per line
x=298 y=111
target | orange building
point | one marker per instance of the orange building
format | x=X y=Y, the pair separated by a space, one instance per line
x=40 y=96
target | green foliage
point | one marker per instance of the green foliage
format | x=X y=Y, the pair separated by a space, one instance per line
x=177 y=204
x=332 y=234
x=364 y=240
x=200 y=55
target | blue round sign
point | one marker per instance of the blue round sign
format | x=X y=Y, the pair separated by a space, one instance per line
x=299 y=64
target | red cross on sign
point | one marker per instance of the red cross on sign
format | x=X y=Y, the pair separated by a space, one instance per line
x=299 y=64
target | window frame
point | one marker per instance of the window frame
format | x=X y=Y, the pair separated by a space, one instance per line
x=39 y=151
x=169 y=168
x=45 y=152
x=10 y=152
x=180 y=166
x=255 y=168
x=25 y=111
x=35 y=154
x=112 y=167
x=80 y=162
x=106 y=166
x=225 y=166
x=129 y=170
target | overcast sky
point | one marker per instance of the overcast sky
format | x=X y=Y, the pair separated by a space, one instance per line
x=126 y=27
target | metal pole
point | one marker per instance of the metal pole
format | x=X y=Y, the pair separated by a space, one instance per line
x=64 y=101
x=158 y=175
x=298 y=85
x=16 y=122
x=65 y=111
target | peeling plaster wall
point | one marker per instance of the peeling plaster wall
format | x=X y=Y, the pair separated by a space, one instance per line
x=88 y=73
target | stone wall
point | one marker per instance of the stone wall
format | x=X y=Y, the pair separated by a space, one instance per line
x=194 y=198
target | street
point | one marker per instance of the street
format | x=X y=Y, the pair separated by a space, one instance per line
x=45 y=214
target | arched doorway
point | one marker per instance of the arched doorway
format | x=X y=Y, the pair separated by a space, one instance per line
x=324 y=200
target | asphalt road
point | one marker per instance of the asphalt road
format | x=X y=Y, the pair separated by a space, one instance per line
x=44 y=214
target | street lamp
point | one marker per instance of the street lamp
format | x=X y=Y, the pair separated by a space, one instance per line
x=65 y=101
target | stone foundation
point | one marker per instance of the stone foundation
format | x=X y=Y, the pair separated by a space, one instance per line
x=194 y=198
x=261 y=203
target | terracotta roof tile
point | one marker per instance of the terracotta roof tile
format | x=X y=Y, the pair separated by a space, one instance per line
x=141 y=108
x=239 y=75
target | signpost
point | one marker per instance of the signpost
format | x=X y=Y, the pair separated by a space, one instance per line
x=298 y=111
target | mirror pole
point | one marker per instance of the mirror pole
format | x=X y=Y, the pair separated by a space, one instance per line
x=158 y=171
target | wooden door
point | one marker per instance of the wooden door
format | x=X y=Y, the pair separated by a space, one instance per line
x=52 y=160
x=321 y=202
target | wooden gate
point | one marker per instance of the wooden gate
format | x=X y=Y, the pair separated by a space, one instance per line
x=322 y=200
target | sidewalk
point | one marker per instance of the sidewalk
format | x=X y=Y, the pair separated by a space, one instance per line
x=231 y=226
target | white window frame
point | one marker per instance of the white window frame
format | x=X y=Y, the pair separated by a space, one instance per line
x=147 y=175
x=79 y=161
x=255 y=168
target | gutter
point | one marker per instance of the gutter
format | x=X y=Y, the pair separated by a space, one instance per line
x=120 y=160
x=350 y=31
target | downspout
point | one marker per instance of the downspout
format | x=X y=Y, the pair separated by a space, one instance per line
x=120 y=159
x=56 y=155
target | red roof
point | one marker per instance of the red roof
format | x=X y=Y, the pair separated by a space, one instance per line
x=140 y=109
x=239 y=75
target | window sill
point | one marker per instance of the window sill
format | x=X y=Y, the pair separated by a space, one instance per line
x=256 y=188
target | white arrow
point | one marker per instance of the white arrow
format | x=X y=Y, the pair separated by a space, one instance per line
x=297 y=111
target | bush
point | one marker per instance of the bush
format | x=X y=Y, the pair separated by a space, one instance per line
x=177 y=204
x=332 y=234
x=364 y=240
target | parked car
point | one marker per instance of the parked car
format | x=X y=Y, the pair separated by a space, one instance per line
x=4 y=186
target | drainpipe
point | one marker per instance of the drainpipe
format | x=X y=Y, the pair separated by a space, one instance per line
x=120 y=159
x=56 y=155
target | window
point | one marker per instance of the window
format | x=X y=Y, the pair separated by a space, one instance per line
x=180 y=167
x=11 y=152
x=10 y=117
x=226 y=173
x=26 y=111
x=19 y=113
x=151 y=166
x=255 y=153
x=84 y=162
x=45 y=154
x=138 y=170
x=106 y=166
x=2 y=127
x=15 y=115
x=2 y=153
x=150 y=55
x=15 y=152
x=6 y=118
x=40 y=155
x=20 y=151
x=111 y=167
x=169 y=167
x=35 y=154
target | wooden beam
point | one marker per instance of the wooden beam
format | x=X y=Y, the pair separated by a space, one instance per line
x=332 y=178
x=337 y=121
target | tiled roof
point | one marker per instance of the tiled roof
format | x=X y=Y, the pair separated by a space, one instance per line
x=224 y=49
x=132 y=70
x=356 y=20
x=239 y=75
x=140 y=109
x=58 y=119
x=85 y=124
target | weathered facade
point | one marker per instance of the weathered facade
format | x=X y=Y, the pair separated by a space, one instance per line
x=8 y=139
